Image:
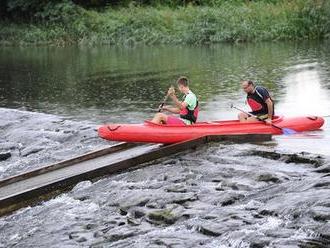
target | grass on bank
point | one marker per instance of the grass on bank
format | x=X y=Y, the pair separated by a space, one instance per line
x=256 y=21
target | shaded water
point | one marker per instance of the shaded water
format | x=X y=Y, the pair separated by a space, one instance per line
x=218 y=196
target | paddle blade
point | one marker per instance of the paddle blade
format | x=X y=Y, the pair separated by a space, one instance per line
x=288 y=131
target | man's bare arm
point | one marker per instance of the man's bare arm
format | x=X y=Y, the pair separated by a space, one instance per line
x=173 y=110
x=270 y=105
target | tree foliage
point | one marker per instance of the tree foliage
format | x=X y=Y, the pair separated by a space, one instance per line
x=35 y=10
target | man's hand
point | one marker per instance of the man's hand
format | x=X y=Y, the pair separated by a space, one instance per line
x=269 y=121
x=165 y=108
x=162 y=107
x=171 y=91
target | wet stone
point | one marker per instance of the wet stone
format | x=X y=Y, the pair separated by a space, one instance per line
x=211 y=229
x=217 y=180
x=123 y=211
x=73 y=235
x=320 y=213
x=228 y=198
x=267 y=177
x=137 y=212
x=178 y=179
x=211 y=216
x=97 y=234
x=304 y=158
x=82 y=197
x=120 y=233
x=323 y=169
x=297 y=158
x=177 y=189
x=225 y=184
x=81 y=239
x=90 y=226
x=280 y=233
x=165 y=216
x=259 y=242
x=184 y=197
x=158 y=204
x=267 y=212
x=325 y=183
x=31 y=150
x=324 y=231
x=133 y=222
x=253 y=205
x=318 y=242
x=4 y=156
x=133 y=202
x=265 y=154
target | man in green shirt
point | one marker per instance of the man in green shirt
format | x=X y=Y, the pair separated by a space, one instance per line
x=187 y=108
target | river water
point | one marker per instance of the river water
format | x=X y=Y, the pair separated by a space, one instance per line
x=275 y=194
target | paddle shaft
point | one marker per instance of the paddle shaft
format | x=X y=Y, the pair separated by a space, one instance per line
x=249 y=114
x=162 y=104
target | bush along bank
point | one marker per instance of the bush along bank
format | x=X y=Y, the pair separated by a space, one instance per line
x=67 y=23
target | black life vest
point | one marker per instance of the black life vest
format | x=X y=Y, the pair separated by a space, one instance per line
x=257 y=102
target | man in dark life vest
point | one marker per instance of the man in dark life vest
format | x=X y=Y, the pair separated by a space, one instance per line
x=187 y=108
x=259 y=101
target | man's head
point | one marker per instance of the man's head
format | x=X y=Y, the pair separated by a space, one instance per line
x=183 y=84
x=247 y=86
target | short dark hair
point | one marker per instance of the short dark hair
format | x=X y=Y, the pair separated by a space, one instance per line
x=183 y=81
x=250 y=82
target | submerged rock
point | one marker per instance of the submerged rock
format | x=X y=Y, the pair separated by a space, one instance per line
x=230 y=199
x=183 y=197
x=177 y=189
x=268 y=177
x=297 y=158
x=137 y=201
x=211 y=229
x=162 y=216
x=323 y=169
x=320 y=213
x=4 y=156
x=138 y=212
x=124 y=232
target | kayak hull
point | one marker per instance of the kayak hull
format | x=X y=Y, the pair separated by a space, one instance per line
x=154 y=133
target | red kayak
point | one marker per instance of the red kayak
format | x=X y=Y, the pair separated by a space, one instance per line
x=154 y=133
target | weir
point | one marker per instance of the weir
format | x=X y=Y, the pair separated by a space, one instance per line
x=40 y=184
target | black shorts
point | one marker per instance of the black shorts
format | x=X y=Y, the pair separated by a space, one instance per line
x=261 y=116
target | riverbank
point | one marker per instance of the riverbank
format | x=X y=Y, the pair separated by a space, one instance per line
x=229 y=22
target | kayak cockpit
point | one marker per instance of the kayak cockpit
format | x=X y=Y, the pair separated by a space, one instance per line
x=276 y=119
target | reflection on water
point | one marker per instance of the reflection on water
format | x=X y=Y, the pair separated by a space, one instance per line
x=305 y=95
x=112 y=84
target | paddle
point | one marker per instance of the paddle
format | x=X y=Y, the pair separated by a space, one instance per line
x=163 y=102
x=286 y=131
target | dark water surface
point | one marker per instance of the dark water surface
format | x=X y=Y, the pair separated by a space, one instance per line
x=275 y=194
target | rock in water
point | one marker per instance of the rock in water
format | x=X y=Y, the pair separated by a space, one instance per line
x=163 y=216
x=4 y=156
